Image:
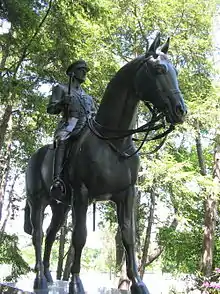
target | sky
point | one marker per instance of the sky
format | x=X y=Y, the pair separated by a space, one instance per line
x=4 y=26
x=216 y=41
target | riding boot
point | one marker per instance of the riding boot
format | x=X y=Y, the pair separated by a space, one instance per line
x=58 y=189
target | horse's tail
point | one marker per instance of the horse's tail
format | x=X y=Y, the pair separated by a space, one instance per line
x=27 y=219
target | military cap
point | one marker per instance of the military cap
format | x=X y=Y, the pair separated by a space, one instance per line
x=77 y=64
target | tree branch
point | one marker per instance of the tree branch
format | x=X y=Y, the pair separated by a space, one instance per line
x=25 y=53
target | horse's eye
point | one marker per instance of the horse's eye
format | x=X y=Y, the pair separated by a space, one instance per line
x=161 y=69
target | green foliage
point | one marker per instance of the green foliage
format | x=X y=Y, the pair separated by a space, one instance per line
x=28 y=254
x=10 y=254
x=21 y=13
x=105 y=261
x=91 y=258
x=108 y=213
x=217 y=244
x=182 y=248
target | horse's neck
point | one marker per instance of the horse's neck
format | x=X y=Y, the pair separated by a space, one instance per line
x=118 y=107
x=118 y=111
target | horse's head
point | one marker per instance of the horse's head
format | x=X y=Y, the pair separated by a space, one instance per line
x=156 y=82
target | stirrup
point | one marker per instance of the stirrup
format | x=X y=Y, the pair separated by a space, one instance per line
x=58 y=189
x=59 y=183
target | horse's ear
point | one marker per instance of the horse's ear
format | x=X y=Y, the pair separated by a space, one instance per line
x=165 y=47
x=155 y=44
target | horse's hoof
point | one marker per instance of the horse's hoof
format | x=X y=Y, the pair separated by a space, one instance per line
x=40 y=283
x=76 y=286
x=139 y=288
x=48 y=275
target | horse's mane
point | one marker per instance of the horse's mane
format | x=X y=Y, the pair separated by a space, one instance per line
x=123 y=78
x=122 y=87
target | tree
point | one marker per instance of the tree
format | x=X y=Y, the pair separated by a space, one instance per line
x=210 y=207
x=11 y=254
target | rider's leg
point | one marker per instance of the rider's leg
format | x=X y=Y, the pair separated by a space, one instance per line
x=58 y=186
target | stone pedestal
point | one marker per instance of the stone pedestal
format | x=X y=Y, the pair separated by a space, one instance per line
x=11 y=289
x=58 y=287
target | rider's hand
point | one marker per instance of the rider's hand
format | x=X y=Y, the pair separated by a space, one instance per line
x=66 y=99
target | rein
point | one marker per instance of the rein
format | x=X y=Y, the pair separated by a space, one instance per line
x=149 y=126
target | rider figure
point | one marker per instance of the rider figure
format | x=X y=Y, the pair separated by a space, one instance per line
x=75 y=106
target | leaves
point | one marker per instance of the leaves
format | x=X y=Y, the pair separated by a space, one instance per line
x=10 y=254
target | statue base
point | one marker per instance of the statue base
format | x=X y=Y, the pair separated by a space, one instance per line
x=58 y=287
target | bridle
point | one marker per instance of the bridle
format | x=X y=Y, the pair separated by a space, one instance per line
x=146 y=128
x=156 y=123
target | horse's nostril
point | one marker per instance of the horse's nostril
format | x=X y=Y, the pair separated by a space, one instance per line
x=179 y=110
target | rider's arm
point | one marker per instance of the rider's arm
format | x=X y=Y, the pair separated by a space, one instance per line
x=55 y=105
x=93 y=110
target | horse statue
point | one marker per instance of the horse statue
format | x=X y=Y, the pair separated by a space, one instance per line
x=107 y=162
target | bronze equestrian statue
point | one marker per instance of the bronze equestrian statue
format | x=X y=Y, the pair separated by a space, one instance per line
x=102 y=164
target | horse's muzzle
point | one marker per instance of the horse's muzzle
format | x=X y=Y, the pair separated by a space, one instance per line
x=176 y=108
x=180 y=113
x=177 y=114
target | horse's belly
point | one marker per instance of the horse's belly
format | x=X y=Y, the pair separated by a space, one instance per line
x=105 y=177
x=111 y=181
x=103 y=197
x=102 y=170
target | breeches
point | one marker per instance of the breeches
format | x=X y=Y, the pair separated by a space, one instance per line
x=66 y=130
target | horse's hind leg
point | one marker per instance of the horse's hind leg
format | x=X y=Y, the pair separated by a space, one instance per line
x=37 y=214
x=78 y=242
x=59 y=213
x=126 y=220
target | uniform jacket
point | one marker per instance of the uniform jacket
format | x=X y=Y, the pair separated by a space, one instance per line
x=81 y=106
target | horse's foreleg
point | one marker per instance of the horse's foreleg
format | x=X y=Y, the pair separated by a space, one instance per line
x=37 y=213
x=78 y=242
x=59 y=213
x=126 y=220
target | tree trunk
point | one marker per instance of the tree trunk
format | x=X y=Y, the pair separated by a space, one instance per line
x=4 y=168
x=4 y=124
x=137 y=220
x=208 y=238
x=216 y=169
x=148 y=232
x=210 y=208
x=69 y=261
x=5 y=51
x=8 y=208
x=200 y=154
x=63 y=232
x=158 y=251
